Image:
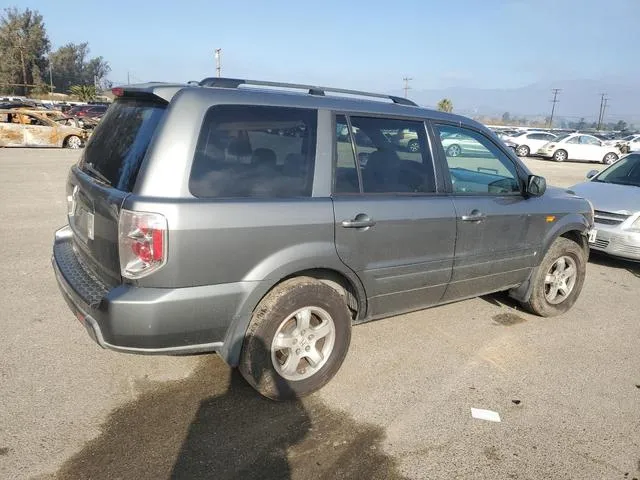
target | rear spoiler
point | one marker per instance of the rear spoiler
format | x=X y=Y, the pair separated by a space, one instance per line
x=151 y=91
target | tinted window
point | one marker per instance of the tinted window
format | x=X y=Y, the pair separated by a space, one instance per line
x=396 y=157
x=346 y=173
x=574 y=140
x=119 y=143
x=252 y=151
x=624 y=172
x=476 y=164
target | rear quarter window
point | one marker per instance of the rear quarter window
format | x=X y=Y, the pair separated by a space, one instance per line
x=255 y=151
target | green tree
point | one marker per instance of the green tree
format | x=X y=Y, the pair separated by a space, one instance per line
x=621 y=126
x=506 y=117
x=71 y=66
x=23 y=48
x=84 y=93
x=445 y=105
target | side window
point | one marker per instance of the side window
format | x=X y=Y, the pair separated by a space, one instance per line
x=346 y=173
x=476 y=164
x=587 y=140
x=255 y=151
x=395 y=157
x=549 y=138
x=574 y=140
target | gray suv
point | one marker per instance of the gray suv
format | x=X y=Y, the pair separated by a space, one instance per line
x=263 y=223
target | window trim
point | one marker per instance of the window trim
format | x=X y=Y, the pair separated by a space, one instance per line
x=334 y=163
x=521 y=173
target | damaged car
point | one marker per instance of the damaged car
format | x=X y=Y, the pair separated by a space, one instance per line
x=31 y=129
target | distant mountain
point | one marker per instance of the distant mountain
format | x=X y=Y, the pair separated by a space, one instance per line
x=578 y=98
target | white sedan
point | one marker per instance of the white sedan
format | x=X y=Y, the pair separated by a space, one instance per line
x=527 y=142
x=631 y=141
x=578 y=146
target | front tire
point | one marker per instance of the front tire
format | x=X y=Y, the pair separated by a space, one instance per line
x=610 y=158
x=523 y=151
x=297 y=339
x=559 y=279
x=560 y=155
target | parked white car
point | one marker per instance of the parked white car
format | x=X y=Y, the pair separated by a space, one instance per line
x=527 y=142
x=578 y=146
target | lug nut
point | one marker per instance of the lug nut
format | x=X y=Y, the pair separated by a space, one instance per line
x=297 y=351
x=310 y=337
x=295 y=340
x=307 y=348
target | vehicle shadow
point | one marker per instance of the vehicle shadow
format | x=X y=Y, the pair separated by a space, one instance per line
x=614 y=262
x=213 y=425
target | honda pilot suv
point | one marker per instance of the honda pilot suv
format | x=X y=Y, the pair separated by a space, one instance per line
x=222 y=216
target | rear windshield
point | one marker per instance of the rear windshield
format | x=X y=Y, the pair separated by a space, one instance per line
x=255 y=151
x=117 y=146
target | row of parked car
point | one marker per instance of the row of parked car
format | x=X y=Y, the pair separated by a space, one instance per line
x=30 y=124
x=570 y=146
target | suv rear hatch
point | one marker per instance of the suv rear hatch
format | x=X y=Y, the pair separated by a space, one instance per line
x=105 y=176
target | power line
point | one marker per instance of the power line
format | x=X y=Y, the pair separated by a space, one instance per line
x=554 y=101
x=406 y=86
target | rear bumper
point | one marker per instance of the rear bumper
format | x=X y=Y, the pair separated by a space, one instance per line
x=617 y=242
x=130 y=319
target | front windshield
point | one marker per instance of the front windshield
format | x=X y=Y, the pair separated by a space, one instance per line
x=624 y=172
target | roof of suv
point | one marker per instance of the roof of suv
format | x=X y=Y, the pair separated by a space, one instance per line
x=314 y=97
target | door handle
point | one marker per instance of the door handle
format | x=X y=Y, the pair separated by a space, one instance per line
x=474 y=216
x=361 y=221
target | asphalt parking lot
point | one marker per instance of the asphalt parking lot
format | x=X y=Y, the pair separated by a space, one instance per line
x=567 y=389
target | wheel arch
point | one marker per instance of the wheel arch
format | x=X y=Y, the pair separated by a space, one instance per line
x=573 y=227
x=336 y=275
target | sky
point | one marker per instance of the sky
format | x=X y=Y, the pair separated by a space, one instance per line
x=367 y=45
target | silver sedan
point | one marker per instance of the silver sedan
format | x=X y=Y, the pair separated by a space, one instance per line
x=615 y=196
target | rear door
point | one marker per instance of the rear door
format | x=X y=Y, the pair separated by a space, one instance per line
x=391 y=227
x=494 y=248
x=593 y=150
x=105 y=175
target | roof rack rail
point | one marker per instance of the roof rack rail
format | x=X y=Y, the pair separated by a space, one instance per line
x=312 y=90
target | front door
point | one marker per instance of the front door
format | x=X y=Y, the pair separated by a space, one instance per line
x=39 y=133
x=391 y=227
x=494 y=248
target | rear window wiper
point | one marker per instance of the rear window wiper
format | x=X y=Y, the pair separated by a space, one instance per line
x=96 y=174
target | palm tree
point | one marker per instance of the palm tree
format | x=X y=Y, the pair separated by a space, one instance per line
x=445 y=105
x=83 y=92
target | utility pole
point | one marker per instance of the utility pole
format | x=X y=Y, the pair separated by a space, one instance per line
x=218 y=56
x=128 y=79
x=602 y=96
x=553 y=107
x=50 y=80
x=604 y=108
x=406 y=86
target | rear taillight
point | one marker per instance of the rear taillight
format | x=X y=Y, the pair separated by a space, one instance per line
x=142 y=243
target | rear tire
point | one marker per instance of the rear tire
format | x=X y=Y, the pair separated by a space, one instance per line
x=285 y=356
x=523 y=151
x=413 y=146
x=552 y=276
x=560 y=155
x=454 y=150
x=610 y=158
x=73 y=141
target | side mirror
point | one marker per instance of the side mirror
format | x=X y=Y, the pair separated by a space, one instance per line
x=536 y=186
x=591 y=174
